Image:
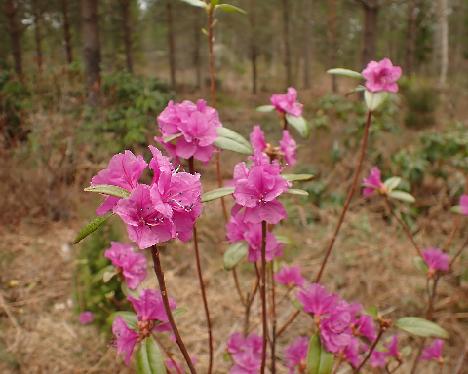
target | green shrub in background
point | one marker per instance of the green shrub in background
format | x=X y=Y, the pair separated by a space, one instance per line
x=421 y=100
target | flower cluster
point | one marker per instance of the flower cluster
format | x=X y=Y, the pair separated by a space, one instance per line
x=295 y=355
x=194 y=127
x=286 y=150
x=246 y=353
x=287 y=103
x=381 y=76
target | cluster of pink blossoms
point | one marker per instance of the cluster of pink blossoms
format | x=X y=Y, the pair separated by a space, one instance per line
x=287 y=145
x=164 y=210
x=381 y=76
x=246 y=353
x=195 y=126
x=380 y=358
x=287 y=103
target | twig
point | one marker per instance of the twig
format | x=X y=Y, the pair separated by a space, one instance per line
x=371 y=350
x=273 y=320
x=263 y=297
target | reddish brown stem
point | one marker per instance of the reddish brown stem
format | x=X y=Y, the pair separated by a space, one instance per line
x=288 y=322
x=459 y=252
x=162 y=286
x=263 y=296
x=273 y=320
x=349 y=197
x=371 y=350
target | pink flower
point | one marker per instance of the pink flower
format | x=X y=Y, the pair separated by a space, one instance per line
x=146 y=225
x=86 y=317
x=378 y=359
x=433 y=351
x=464 y=204
x=296 y=353
x=351 y=352
x=364 y=326
x=316 y=299
x=126 y=338
x=123 y=171
x=381 y=76
x=131 y=264
x=287 y=103
x=246 y=353
x=436 y=260
x=372 y=182
x=335 y=329
x=290 y=276
x=392 y=348
x=197 y=124
x=257 y=138
x=288 y=148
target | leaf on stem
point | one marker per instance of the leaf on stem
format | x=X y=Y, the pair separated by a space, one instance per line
x=149 y=359
x=265 y=108
x=392 y=183
x=319 y=361
x=297 y=177
x=228 y=8
x=231 y=134
x=234 y=145
x=234 y=254
x=107 y=189
x=421 y=327
x=374 y=100
x=297 y=191
x=95 y=224
x=345 y=73
x=217 y=193
x=401 y=195
x=196 y=3
x=299 y=124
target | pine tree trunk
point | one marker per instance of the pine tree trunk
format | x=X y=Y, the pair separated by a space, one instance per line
x=410 y=37
x=66 y=32
x=10 y=9
x=37 y=34
x=253 y=46
x=287 y=45
x=332 y=41
x=171 y=42
x=196 y=47
x=91 y=48
x=371 y=10
x=127 y=33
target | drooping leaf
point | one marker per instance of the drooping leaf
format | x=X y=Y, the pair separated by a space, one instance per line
x=319 y=361
x=130 y=318
x=217 y=193
x=265 y=108
x=231 y=134
x=149 y=359
x=197 y=3
x=297 y=191
x=392 y=183
x=234 y=254
x=401 y=195
x=108 y=189
x=345 y=73
x=374 y=100
x=232 y=145
x=228 y=8
x=299 y=124
x=170 y=138
x=297 y=177
x=91 y=227
x=421 y=327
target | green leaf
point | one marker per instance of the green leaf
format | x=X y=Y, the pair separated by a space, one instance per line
x=149 y=359
x=170 y=138
x=345 y=73
x=421 y=327
x=129 y=317
x=108 y=275
x=282 y=239
x=95 y=224
x=217 y=193
x=401 y=195
x=420 y=264
x=297 y=177
x=234 y=254
x=299 y=123
x=228 y=8
x=374 y=100
x=227 y=133
x=297 y=191
x=197 y=3
x=392 y=183
x=108 y=189
x=232 y=145
x=265 y=108
x=319 y=361
x=372 y=311
x=456 y=209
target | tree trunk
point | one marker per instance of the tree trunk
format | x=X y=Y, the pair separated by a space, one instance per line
x=10 y=9
x=442 y=20
x=127 y=32
x=91 y=48
x=253 y=46
x=410 y=37
x=37 y=34
x=371 y=10
x=66 y=32
x=307 y=42
x=287 y=46
x=332 y=41
x=171 y=42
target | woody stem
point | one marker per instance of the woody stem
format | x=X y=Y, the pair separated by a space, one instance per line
x=263 y=297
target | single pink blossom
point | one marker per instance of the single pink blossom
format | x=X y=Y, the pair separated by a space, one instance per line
x=364 y=326
x=316 y=300
x=86 y=317
x=257 y=138
x=288 y=148
x=433 y=351
x=246 y=353
x=125 y=338
x=378 y=359
x=392 y=348
x=132 y=265
x=372 y=183
x=290 y=276
x=381 y=76
x=295 y=354
x=335 y=328
x=464 y=204
x=123 y=171
x=352 y=352
x=436 y=260
x=287 y=103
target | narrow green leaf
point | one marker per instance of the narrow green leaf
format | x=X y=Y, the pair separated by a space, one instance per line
x=326 y=362
x=392 y=183
x=149 y=359
x=228 y=8
x=374 y=100
x=297 y=191
x=456 y=209
x=401 y=195
x=421 y=327
x=420 y=264
x=297 y=177
x=232 y=145
x=313 y=355
x=108 y=189
x=282 y=239
x=234 y=254
x=197 y=3
x=129 y=317
x=231 y=134
x=345 y=73
x=170 y=138
x=265 y=108
x=217 y=193
x=299 y=124
x=95 y=224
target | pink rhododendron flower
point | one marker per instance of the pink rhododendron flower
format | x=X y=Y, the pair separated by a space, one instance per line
x=287 y=103
x=436 y=260
x=197 y=125
x=335 y=329
x=316 y=299
x=392 y=348
x=125 y=338
x=372 y=183
x=364 y=326
x=86 y=317
x=132 y=265
x=257 y=138
x=464 y=204
x=378 y=359
x=351 y=352
x=123 y=171
x=290 y=276
x=288 y=148
x=381 y=76
x=433 y=351
x=246 y=353
x=146 y=225
x=295 y=354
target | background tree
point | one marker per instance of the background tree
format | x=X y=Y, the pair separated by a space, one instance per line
x=127 y=32
x=12 y=16
x=66 y=31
